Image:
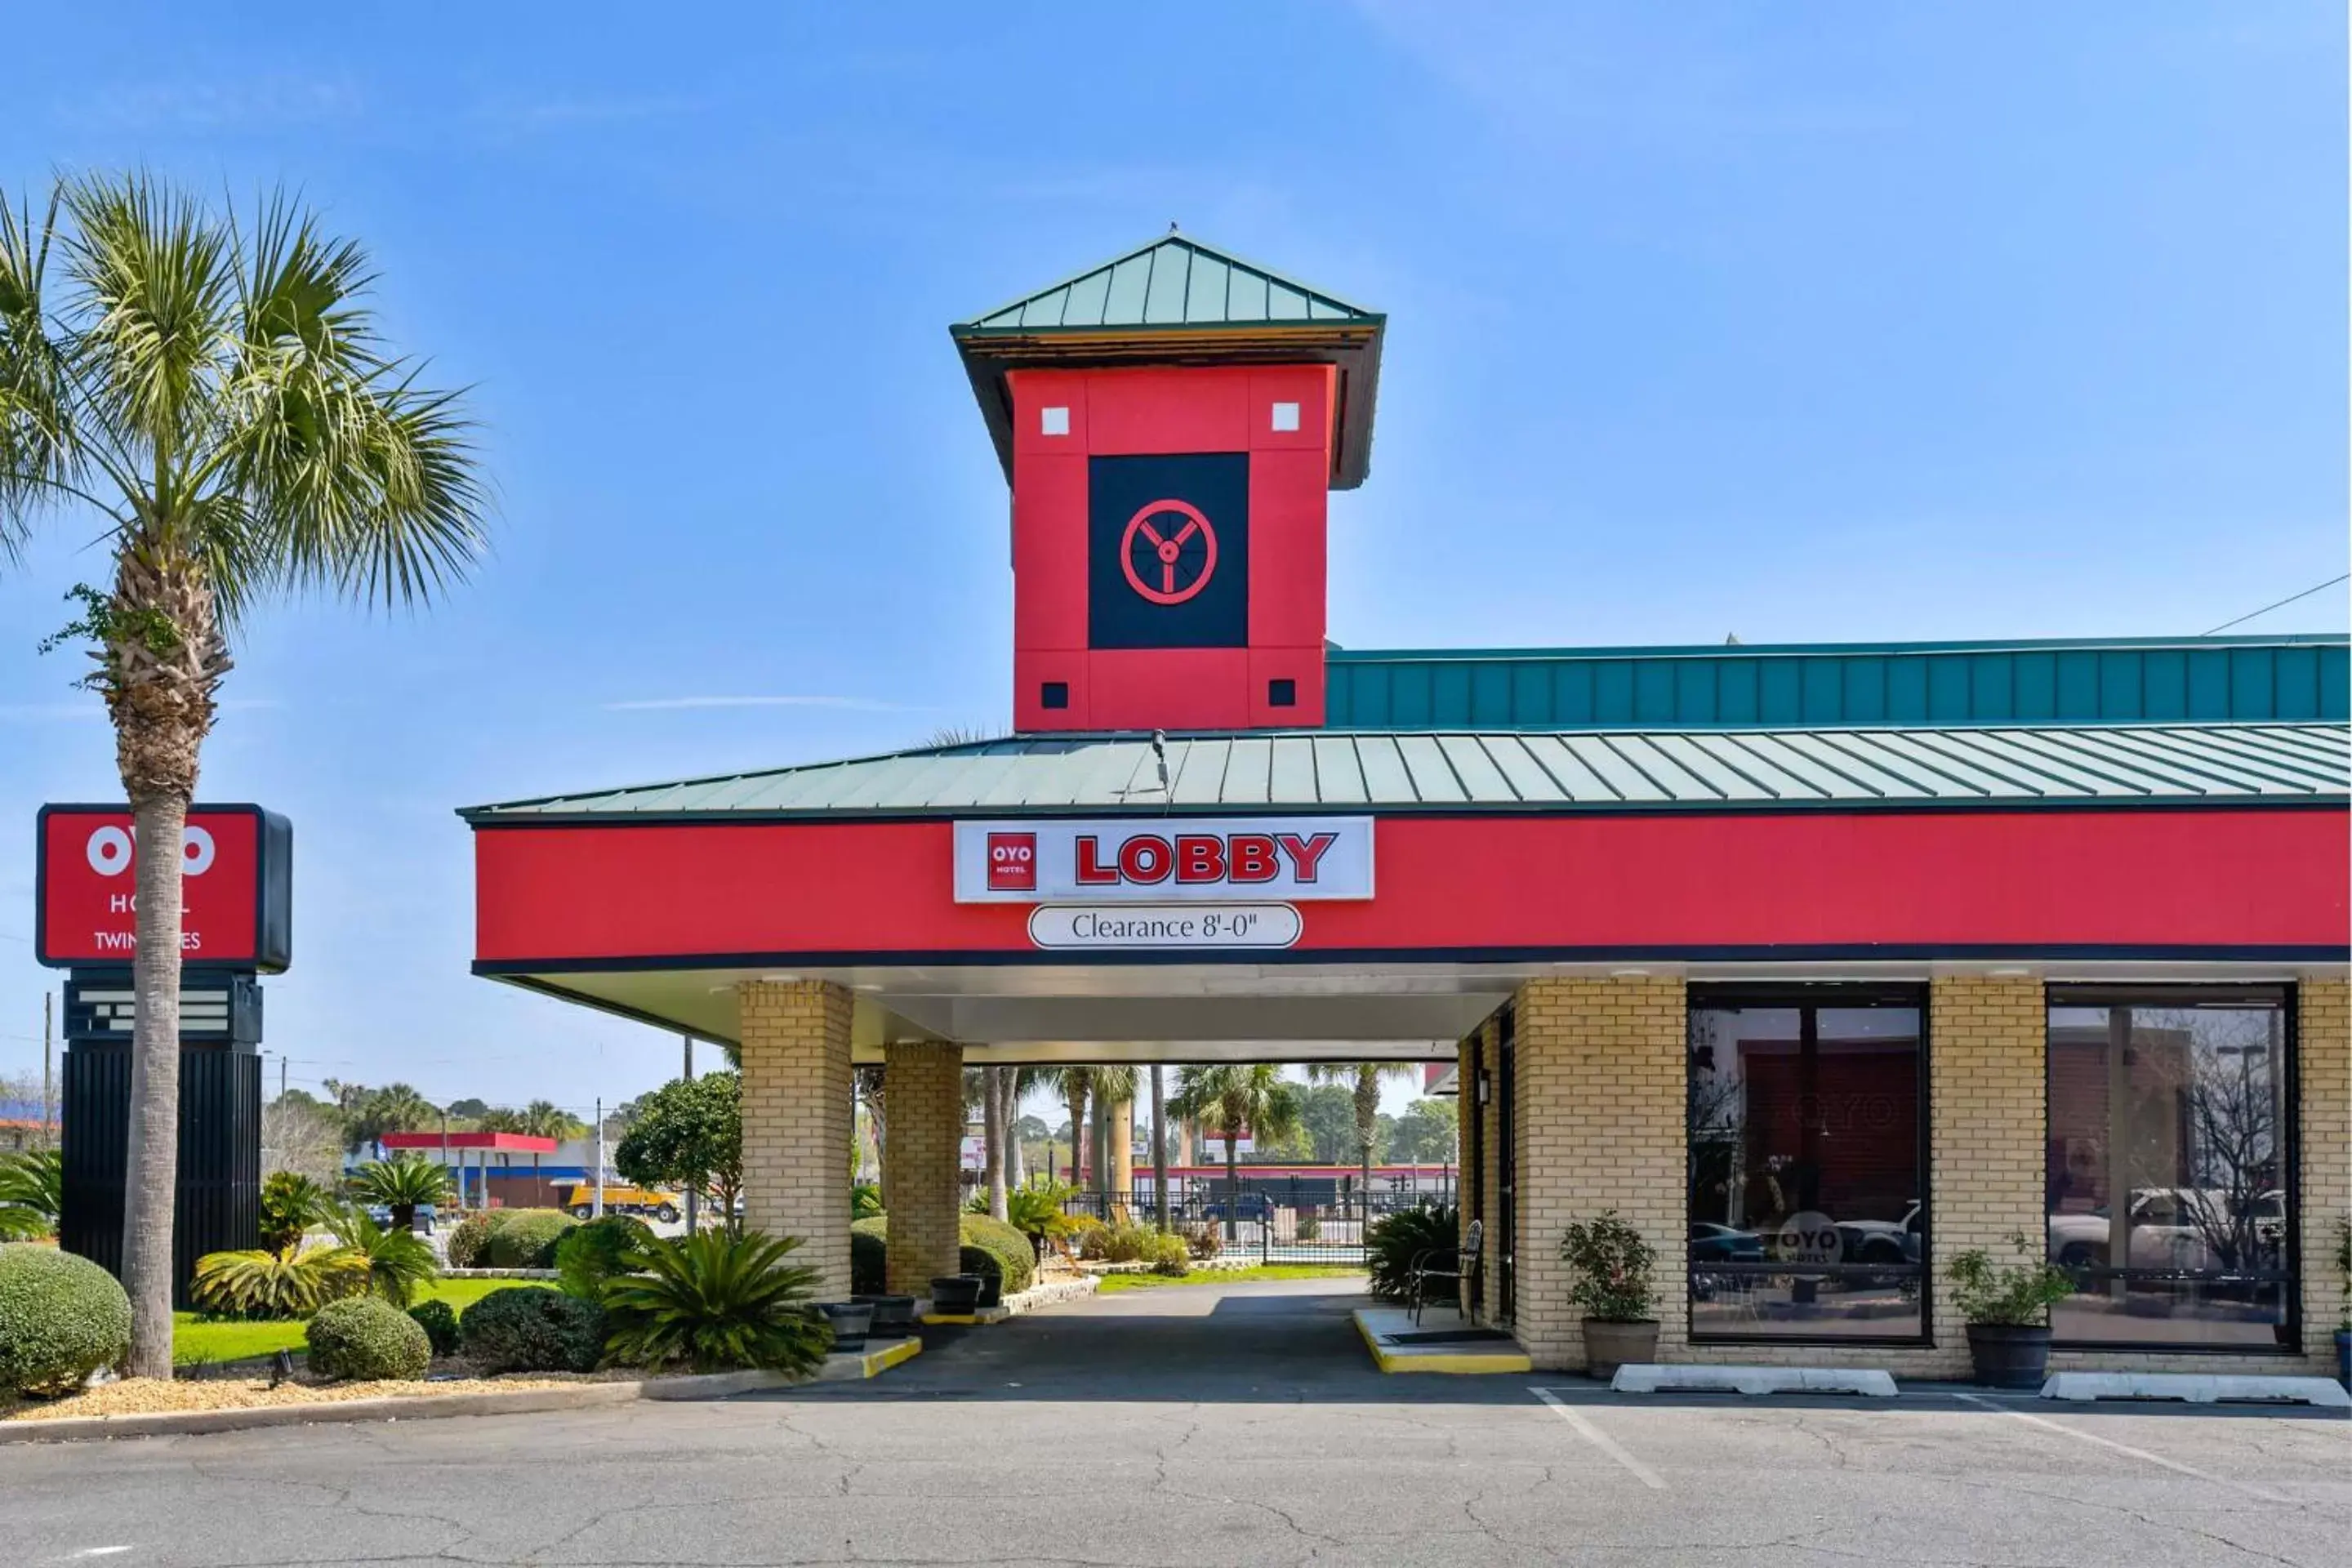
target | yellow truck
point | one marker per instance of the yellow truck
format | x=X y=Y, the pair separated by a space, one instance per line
x=641 y=1201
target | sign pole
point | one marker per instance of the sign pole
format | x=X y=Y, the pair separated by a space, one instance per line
x=48 y=1116
x=596 y=1204
x=693 y=1196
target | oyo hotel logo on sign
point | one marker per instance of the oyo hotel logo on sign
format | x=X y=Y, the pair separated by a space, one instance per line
x=1163 y=860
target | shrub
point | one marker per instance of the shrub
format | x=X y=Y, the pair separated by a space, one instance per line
x=527 y=1238
x=32 y=1191
x=1203 y=1240
x=286 y=1283
x=1169 y=1255
x=439 y=1322
x=865 y=1200
x=61 y=1318
x=1007 y=1245
x=594 y=1254
x=1309 y=1227
x=718 y=1300
x=1116 y=1244
x=869 y=1256
x=470 y=1239
x=1036 y=1213
x=529 y=1328
x=1396 y=1241
x=1079 y=1229
x=2020 y=1295
x=291 y=1203
x=394 y=1264
x=1610 y=1262
x=364 y=1339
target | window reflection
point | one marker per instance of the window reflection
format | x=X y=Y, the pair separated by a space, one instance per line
x=1805 y=1170
x=2177 y=1099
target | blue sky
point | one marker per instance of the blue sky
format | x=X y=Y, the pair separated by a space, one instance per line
x=1806 y=321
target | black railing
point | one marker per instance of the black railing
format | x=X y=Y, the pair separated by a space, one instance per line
x=1277 y=1219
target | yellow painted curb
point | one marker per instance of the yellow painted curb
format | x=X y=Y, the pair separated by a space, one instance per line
x=951 y=1318
x=1465 y=1361
x=889 y=1356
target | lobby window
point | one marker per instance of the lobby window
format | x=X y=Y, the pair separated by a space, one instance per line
x=2176 y=1101
x=1808 y=1178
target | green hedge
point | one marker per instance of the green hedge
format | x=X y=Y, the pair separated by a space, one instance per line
x=366 y=1339
x=527 y=1328
x=991 y=1248
x=439 y=1322
x=471 y=1239
x=61 y=1318
x=527 y=1238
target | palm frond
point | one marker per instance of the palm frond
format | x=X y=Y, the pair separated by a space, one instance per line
x=717 y=1300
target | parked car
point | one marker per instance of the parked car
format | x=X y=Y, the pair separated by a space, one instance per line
x=1245 y=1206
x=2174 y=1228
x=1712 y=1243
x=1884 y=1241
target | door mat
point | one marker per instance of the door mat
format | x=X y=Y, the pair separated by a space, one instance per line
x=1447 y=1337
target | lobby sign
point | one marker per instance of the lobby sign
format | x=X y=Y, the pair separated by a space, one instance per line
x=1161 y=860
x=236 y=887
x=1163 y=927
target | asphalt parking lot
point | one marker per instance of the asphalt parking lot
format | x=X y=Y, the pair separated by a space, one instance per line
x=1210 y=1425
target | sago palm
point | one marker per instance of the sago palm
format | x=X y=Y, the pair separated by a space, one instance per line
x=404 y=1185
x=209 y=395
x=32 y=1192
x=398 y=1265
x=286 y=1282
x=713 y=1301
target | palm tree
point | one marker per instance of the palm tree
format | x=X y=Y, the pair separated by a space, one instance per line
x=545 y=1119
x=396 y=1108
x=1234 y=1097
x=214 y=394
x=1080 y=1087
x=1075 y=1086
x=1363 y=1078
x=403 y=1185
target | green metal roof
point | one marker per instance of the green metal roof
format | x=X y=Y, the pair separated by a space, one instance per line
x=1172 y=280
x=1569 y=770
x=1173 y=300
x=2083 y=681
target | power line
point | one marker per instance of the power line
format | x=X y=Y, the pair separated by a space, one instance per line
x=2290 y=599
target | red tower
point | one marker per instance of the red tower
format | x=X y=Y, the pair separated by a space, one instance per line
x=1171 y=423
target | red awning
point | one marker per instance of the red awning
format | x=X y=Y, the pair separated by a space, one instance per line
x=500 y=1143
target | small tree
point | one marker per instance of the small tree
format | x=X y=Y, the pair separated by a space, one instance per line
x=404 y=1185
x=1611 y=1263
x=688 y=1132
x=2016 y=1296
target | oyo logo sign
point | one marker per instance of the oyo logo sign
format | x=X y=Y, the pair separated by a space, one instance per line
x=1809 y=1237
x=1243 y=860
x=110 y=851
x=1156 y=859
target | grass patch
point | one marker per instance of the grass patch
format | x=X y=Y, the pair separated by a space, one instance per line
x=197 y=1343
x=1231 y=1276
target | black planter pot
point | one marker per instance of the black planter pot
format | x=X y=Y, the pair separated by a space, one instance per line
x=893 y=1315
x=2009 y=1355
x=850 y=1321
x=991 y=1290
x=2343 y=1357
x=956 y=1295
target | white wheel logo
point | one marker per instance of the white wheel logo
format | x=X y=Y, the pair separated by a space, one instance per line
x=110 y=851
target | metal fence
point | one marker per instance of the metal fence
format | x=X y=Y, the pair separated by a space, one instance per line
x=1275 y=1219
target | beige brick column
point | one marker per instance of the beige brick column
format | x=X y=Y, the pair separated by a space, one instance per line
x=1490 y=1169
x=2324 y=1074
x=921 y=1161
x=1987 y=1120
x=1601 y=1123
x=1466 y=1081
x=795 y=1039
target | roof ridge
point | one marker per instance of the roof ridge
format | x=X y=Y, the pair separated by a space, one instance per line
x=1196 y=247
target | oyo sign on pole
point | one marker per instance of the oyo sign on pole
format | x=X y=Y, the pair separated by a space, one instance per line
x=236 y=879
x=1162 y=859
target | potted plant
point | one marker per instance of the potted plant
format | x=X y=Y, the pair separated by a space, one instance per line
x=2007 y=1309
x=2344 y=1313
x=955 y=1295
x=851 y=1321
x=894 y=1315
x=1610 y=1265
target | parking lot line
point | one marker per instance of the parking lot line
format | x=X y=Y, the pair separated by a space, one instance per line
x=2160 y=1459
x=1601 y=1440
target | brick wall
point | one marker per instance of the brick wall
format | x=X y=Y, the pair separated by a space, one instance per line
x=1490 y=1166
x=2324 y=1044
x=920 y=1163
x=1599 y=1122
x=795 y=1039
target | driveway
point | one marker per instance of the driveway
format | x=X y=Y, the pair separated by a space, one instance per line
x=1215 y=1426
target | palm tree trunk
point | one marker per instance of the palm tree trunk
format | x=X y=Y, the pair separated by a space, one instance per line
x=1077 y=1098
x=991 y=1115
x=152 y=1181
x=1368 y=1126
x=1016 y=1174
x=1121 y=1161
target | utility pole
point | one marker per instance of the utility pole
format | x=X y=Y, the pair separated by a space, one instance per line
x=596 y=1204
x=282 y=1074
x=693 y=1196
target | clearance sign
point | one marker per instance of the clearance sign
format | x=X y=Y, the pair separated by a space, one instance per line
x=1161 y=860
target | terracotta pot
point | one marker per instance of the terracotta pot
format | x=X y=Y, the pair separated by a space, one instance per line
x=1608 y=1346
x=2009 y=1355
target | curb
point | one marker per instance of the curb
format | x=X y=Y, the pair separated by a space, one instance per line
x=1471 y=1363
x=436 y=1406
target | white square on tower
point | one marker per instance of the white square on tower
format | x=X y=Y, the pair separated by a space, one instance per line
x=1056 y=422
x=1285 y=417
